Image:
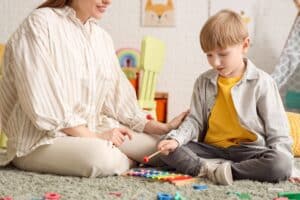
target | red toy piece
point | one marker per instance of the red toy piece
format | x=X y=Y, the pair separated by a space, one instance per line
x=117 y=194
x=6 y=198
x=51 y=196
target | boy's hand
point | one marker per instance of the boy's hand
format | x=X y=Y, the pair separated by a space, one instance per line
x=295 y=180
x=167 y=146
x=175 y=122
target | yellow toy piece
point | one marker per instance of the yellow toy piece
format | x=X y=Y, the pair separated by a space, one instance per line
x=294 y=121
x=3 y=138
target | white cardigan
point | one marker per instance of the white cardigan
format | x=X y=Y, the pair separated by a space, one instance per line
x=60 y=73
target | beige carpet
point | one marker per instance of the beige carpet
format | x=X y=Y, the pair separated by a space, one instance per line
x=28 y=186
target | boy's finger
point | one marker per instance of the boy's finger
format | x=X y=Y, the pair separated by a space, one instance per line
x=161 y=144
x=169 y=147
x=165 y=152
x=160 y=147
x=166 y=146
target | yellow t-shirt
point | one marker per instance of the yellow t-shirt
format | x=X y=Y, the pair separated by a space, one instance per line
x=224 y=129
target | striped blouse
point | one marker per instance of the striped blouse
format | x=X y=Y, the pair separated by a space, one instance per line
x=60 y=73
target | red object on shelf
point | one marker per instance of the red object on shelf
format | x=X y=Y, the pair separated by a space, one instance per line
x=135 y=83
x=149 y=117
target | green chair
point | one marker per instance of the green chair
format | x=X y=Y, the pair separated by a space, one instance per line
x=292 y=100
x=3 y=138
x=152 y=59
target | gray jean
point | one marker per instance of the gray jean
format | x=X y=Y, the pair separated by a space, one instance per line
x=247 y=163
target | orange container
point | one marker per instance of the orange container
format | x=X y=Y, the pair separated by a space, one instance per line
x=135 y=83
x=161 y=99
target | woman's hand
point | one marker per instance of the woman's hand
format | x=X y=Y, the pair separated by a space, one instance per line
x=175 y=122
x=297 y=3
x=167 y=146
x=117 y=135
x=158 y=128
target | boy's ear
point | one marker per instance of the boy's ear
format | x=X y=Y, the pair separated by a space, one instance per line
x=246 y=45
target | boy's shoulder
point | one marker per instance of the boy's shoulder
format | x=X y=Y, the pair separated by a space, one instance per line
x=254 y=72
x=207 y=75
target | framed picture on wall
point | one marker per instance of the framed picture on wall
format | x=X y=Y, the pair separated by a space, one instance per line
x=160 y=13
x=247 y=9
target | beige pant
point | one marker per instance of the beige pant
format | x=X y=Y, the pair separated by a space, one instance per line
x=87 y=157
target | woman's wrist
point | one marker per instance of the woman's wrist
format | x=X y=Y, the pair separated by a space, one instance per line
x=156 y=127
x=79 y=131
x=103 y=136
x=169 y=127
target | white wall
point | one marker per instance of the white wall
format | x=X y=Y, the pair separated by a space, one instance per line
x=184 y=59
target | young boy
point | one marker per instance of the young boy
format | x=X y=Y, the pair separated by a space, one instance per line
x=236 y=114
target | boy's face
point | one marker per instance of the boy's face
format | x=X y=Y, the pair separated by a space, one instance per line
x=229 y=61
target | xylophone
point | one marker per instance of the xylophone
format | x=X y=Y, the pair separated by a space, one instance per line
x=160 y=175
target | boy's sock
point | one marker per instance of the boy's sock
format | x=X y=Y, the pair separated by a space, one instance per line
x=218 y=173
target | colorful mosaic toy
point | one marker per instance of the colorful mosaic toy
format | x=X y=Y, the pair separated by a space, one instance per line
x=164 y=176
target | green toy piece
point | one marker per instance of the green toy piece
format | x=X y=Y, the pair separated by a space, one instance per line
x=178 y=196
x=241 y=196
x=290 y=195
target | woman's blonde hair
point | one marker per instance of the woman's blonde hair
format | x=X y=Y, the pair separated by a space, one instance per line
x=55 y=3
x=225 y=28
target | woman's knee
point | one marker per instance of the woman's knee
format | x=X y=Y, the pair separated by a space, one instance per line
x=75 y=157
x=104 y=160
x=139 y=146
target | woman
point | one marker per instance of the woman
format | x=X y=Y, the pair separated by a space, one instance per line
x=65 y=104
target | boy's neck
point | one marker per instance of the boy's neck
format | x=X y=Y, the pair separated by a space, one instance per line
x=242 y=69
x=239 y=72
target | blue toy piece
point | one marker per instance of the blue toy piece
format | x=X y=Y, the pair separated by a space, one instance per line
x=164 y=196
x=200 y=187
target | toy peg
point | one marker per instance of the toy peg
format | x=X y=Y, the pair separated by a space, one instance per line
x=147 y=158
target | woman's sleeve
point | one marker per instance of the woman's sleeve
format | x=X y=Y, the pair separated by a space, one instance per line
x=39 y=89
x=121 y=102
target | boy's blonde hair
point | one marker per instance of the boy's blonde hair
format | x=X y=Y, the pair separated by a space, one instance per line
x=225 y=28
